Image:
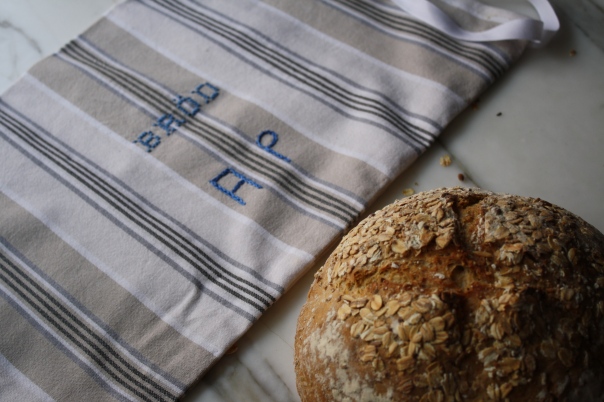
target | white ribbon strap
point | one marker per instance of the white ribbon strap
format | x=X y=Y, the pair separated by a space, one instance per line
x=538 y=31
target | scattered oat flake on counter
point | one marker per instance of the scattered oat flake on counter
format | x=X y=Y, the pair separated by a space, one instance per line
x=408 y=191
x=445 y=160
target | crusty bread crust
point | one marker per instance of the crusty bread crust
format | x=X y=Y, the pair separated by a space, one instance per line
x=457 y=294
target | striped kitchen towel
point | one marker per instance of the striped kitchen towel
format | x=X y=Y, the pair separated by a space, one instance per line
x=170 y=173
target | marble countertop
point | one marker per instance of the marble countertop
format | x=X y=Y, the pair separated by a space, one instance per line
x=539 y=131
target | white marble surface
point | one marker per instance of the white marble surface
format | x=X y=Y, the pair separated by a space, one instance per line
x=548 y=142
x=588 y=15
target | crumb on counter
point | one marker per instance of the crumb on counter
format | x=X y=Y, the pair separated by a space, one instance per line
x=445 y=160
x=408 y=191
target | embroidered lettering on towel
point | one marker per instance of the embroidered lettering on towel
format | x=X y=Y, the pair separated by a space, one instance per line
x=149 y=140
x=242 y=180
x=187 y=106
x=165 y=122
x=269 y=147
x=207 y=97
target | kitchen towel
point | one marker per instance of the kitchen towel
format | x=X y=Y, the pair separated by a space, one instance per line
x=168 y=174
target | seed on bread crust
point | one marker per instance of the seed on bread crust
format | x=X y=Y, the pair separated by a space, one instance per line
x=457 y=294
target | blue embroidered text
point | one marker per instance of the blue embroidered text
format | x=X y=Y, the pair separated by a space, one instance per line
x=244 y=179
x=186 y=106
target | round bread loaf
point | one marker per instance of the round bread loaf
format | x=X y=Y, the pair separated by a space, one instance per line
x=457 y=295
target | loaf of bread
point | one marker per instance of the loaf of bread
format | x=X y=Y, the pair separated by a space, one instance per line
x=457 y=295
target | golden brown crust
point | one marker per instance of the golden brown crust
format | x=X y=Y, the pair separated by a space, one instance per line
x=457 y=294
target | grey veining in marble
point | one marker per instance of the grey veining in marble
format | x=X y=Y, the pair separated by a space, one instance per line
x=588 y=15
x=33 y=29
x=233 y=380
x=18 y=50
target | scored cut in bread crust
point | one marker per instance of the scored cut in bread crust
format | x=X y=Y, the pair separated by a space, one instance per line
x=457 y=294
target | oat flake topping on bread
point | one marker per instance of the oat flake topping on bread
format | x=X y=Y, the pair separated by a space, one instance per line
x=457 y=295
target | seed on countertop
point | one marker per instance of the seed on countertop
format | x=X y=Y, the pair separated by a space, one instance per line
x=408 y=191
x=445 y=160
x=461 y=177
x=232 y=349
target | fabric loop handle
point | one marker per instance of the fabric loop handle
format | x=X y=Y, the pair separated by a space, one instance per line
x=538 y=31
